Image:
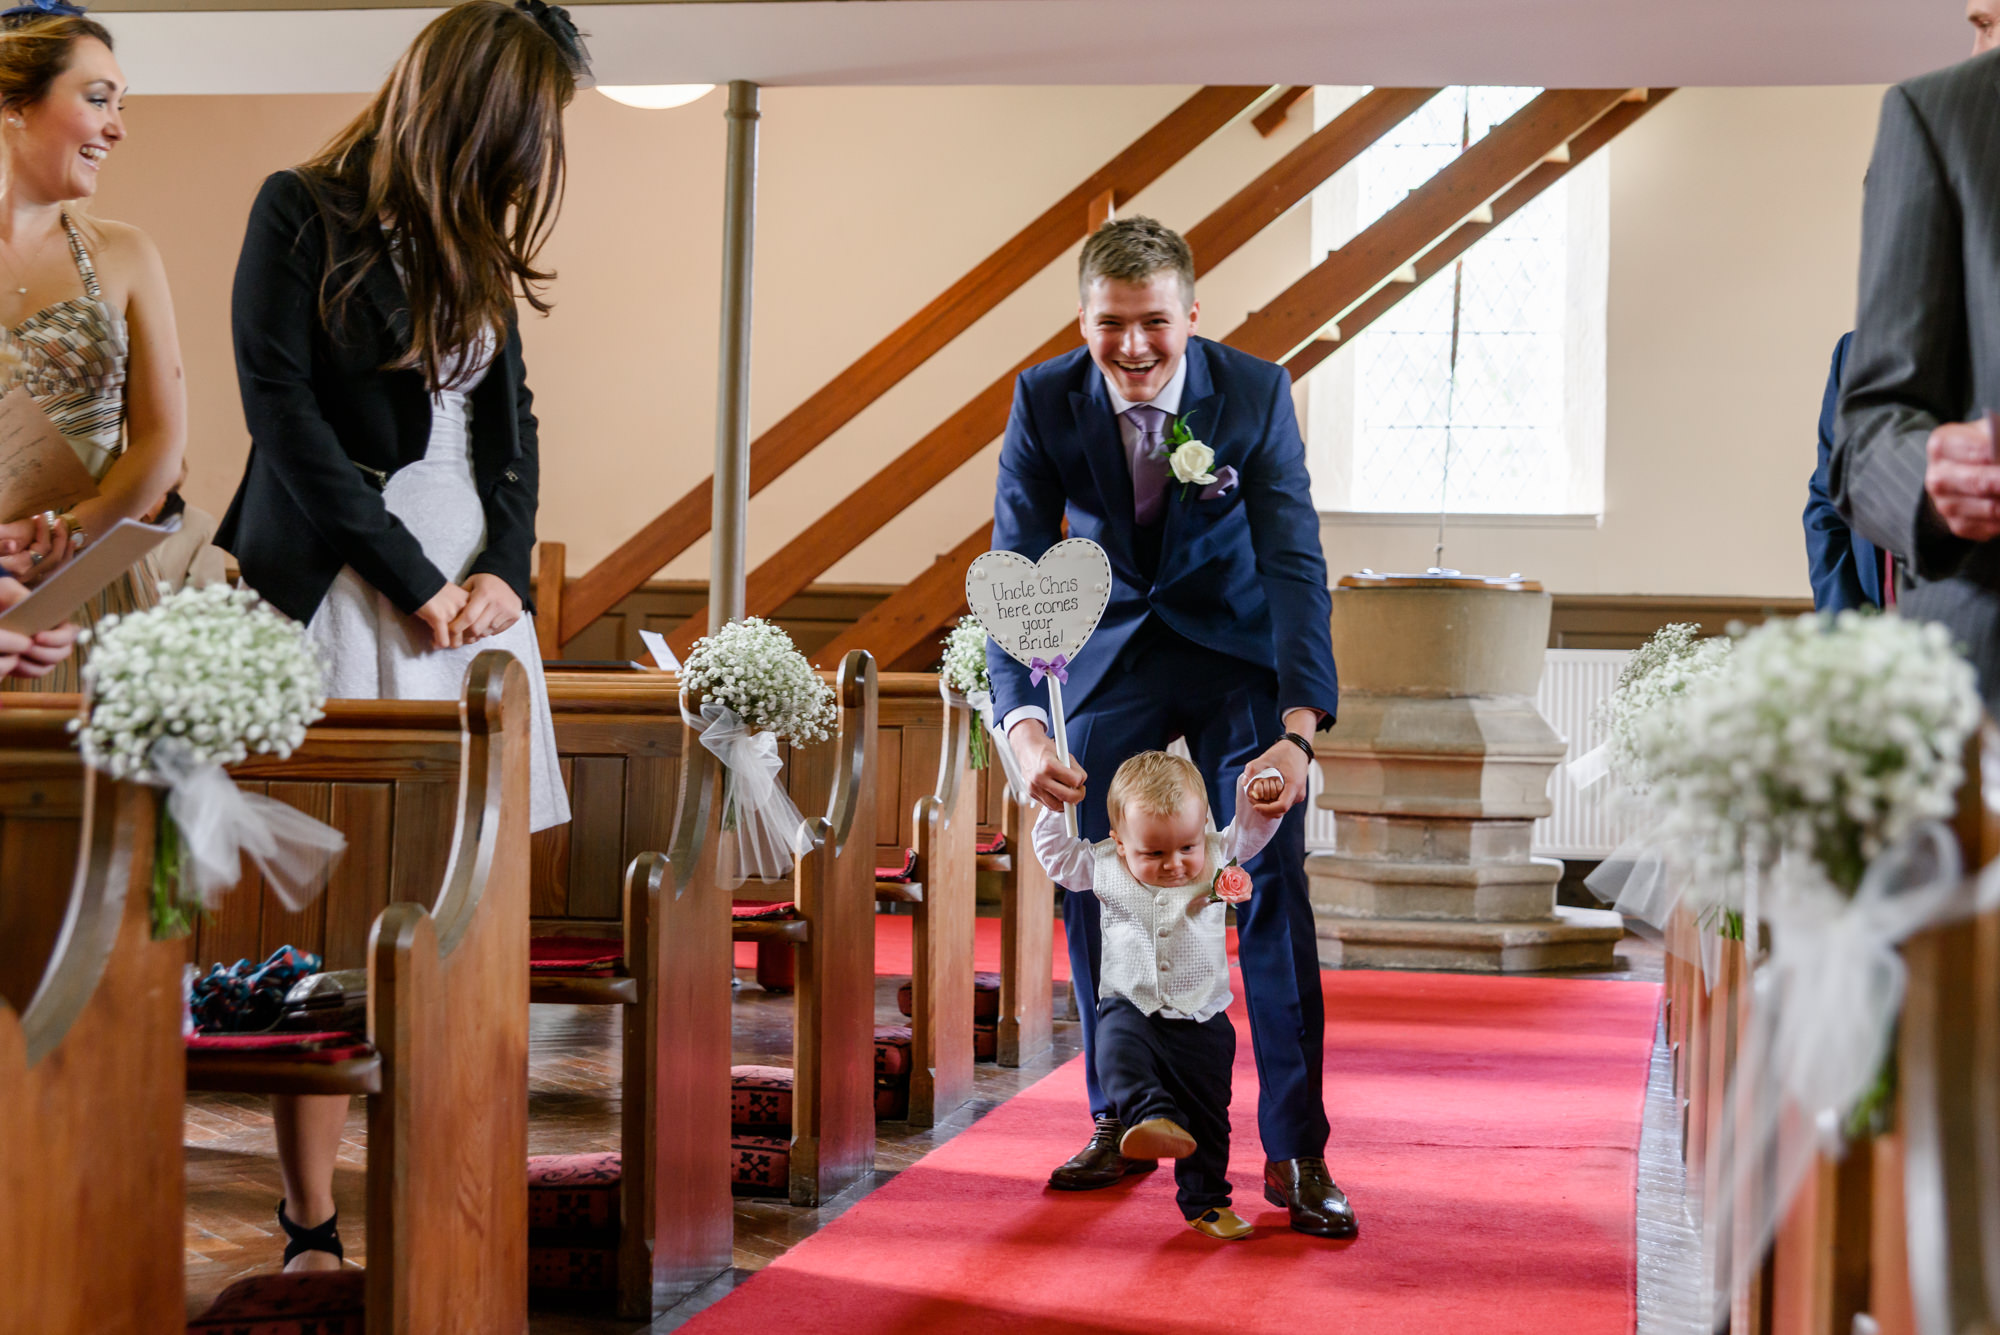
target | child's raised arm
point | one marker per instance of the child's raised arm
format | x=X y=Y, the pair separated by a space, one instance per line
x=1068 y=859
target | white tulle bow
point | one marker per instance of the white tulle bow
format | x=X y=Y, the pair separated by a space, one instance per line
x=220 y=825
x=761 y=828
x=1590 y=768
x=1823 y=1019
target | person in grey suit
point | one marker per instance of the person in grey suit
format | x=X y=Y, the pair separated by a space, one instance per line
x=1909 y=470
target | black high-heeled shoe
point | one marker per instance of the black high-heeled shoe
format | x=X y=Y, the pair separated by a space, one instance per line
x=324 y=1238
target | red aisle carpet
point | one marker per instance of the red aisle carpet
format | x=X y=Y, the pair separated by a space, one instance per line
x=1487 y=1130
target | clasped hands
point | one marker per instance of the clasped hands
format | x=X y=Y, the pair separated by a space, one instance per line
x=31 y=547
x=461 y=614
x=1055 y=785
x=1962 y=479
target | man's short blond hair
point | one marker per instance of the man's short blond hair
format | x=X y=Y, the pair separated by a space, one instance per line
x=1158 y=781
x=1132 y=250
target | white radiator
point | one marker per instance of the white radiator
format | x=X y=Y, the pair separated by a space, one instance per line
x=1573 y=681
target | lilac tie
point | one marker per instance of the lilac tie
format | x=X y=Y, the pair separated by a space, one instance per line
x=1149 y=463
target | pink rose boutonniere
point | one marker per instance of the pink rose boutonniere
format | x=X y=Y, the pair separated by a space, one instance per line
x=1232 y=885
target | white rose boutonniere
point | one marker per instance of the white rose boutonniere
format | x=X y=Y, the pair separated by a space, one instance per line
x=1187 y=458
x=1191 y=463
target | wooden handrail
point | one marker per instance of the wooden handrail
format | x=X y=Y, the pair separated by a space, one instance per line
x=1469 y=232
x=967 y=431
x=1508 y=152
x=900 y=624
x=883 y=366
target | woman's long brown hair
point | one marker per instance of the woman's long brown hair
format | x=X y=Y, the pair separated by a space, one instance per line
x=461 y=155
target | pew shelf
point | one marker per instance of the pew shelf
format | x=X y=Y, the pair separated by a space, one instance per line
x=582 y=990
x=270 y=1075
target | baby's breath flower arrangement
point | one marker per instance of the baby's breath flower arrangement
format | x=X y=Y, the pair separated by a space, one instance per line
x=756 y=689
x=207 y=678
x=752 y=668
x=964 y=670
x=1827 y=739
x=1654 y=681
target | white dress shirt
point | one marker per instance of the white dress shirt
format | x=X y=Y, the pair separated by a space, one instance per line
x=1162 y=949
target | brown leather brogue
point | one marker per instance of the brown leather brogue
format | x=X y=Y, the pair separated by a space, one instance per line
x=1306 y=1188
x=1099 y=1164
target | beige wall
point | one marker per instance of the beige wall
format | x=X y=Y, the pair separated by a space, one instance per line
x=1735 y=236
x=1733 y=216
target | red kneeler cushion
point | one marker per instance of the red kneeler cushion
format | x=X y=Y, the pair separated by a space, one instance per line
x=573 y=1225
x=764 y=911
x=330 y=1046
x=596 y=955
x=760 y=1100
x=573 y=1192
x=328 y=1302
x=587 y=1264
x=985 y=997
x=900 y=875
x=760 y=1165
x=892 y=1052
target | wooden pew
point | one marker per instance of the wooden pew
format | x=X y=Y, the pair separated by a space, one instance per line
x=619 y=736
x=1027 y=926
x=1906 y=1227
x=622 y=740
x=942 y=891
x=1936 y=1206
x=833 y=1032
x=687 y=1029
x=447 y=993
x=91 y=1187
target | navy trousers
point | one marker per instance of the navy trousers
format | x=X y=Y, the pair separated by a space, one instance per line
x=1166 y=687
x=1151 y=1066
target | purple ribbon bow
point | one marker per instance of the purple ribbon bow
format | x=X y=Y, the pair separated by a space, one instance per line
x=1059 y=669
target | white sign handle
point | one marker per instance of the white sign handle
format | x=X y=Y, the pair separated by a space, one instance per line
x=1060 y=731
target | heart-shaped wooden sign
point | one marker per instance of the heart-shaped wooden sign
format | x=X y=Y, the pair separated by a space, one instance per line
x=1042 y=609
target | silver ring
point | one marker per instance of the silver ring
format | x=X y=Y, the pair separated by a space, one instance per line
x=35 y=558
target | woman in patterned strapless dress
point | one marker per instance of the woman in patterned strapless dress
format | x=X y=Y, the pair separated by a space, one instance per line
x=86 y=322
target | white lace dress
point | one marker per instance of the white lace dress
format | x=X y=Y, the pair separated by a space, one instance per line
x=373 y=651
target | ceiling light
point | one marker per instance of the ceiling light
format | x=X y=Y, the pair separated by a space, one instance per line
x=655 y=96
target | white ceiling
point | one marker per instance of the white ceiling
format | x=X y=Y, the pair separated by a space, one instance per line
x=1560 y=43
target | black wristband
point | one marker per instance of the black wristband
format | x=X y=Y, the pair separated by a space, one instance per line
x=1302 y=744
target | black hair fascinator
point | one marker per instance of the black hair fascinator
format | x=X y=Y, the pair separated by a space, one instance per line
x=38 y=9
x=553 y=20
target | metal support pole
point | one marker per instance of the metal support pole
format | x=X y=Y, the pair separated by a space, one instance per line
x=727 y=564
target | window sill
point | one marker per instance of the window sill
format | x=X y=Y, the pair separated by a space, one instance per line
x=1405 y=519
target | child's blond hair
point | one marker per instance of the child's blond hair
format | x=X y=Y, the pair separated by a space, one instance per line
x=1158 y=781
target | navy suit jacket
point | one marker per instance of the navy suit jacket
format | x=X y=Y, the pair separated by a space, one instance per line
x=1242 y=574
x=1845 y=568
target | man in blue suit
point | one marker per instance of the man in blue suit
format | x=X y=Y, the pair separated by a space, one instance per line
x=1217 y=631
x=1845 y=568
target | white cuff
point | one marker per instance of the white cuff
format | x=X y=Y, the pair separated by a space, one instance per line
x=1025 y=712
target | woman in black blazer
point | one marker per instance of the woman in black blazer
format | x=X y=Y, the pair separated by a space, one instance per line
x=389 y=498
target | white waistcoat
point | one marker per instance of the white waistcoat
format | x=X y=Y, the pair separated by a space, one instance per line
x=1162 y=950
